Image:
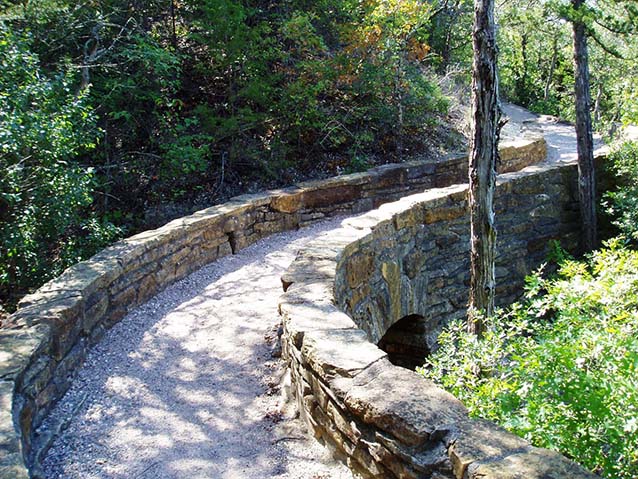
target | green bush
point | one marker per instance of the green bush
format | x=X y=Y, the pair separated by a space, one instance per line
x=45 y=196
x=561 y=368
x=191 y=103
x=622 y=204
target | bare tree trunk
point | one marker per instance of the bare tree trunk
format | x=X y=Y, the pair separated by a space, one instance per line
x=599 y=99
x=552 y=67
x=174 y=36
x=584 y=136
x=482 y=168
x=398 y=98
x=521 y=83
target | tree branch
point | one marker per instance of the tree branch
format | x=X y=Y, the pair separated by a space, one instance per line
x=610 y=50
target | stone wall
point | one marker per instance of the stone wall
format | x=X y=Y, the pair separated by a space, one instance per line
x=46 y=340
x=409 y=259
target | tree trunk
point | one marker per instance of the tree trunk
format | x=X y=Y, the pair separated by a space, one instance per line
x=552 y=67
x=174 y=35
x=584 y=136
x=599 y=99
x=482 y=167
x=521 y=83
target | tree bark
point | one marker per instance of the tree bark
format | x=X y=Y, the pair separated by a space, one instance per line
x=521 y=83
x=482 y=167
x=552 y=67
x=599 y=99
x=174 y=33
x=584 y=136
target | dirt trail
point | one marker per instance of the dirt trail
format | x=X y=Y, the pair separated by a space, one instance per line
x=185 y=386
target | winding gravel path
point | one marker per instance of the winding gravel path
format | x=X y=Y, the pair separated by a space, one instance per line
x=560 y=136
x=185 y=385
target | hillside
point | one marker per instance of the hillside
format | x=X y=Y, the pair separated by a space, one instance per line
x=126 y=115
x=118 y=116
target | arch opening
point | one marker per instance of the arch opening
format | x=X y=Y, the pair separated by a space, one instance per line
x=405 y=342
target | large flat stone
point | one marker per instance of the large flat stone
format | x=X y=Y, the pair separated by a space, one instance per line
x=533 y=464
x=517 y=154
x=305 y=317
x=8 y=437
x=289 y=200
x=17 y=346
x=82 y=278
x=342 y=353
x=367 y=221
x=319 y=292
x=403 y=403
x=64 y=317
x=11 y=462
x=424 y=458
x=305 y=270
x=478 y=440
x=353 y=179
x=385 y=176
x=331 y=196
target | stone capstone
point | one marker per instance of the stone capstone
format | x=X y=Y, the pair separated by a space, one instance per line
x=414 y=411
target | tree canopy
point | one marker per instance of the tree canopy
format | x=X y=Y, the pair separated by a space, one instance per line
x=118 y=115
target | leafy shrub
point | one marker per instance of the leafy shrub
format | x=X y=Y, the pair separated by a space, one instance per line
x=45 y=196
x=561 y=368
x=622 y=204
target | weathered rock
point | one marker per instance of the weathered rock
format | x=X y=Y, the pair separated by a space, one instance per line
x=476 y=441
x=359 y=269
x=300 y=319
x=414 y=410
x=18 y=346
x=287 y=201
x=339 y=352
x=331 y=196
x=425 y=459
x=516 y=155
x=533 y=464
x=9 y=443
x=308 y=269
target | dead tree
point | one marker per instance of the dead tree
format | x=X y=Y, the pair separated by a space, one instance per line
x=584 y=135
x=482 y=167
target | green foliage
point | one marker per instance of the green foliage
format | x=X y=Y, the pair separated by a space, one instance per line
x=189 y=104
x=45 y=196
x=449 y=27
x=560 y=368
x=622 y=204
x=536 y=57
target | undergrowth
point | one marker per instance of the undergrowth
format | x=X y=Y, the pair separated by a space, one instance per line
x=559 y=368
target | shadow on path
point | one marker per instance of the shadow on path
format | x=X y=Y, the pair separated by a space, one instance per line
x=185 y=386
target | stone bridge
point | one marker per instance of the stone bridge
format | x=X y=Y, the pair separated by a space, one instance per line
x=373 y=295
x=360 y=301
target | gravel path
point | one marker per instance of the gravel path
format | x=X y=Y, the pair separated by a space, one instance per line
x=185 y=385
x=560 y=136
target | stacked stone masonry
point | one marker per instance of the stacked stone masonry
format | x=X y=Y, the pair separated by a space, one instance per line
x=45 y=342
x=409 y=259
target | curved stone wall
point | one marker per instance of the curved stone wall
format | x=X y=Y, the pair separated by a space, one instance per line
x=47 y=339
x=410 y=257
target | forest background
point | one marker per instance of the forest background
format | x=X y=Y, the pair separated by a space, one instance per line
x=116 y=116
